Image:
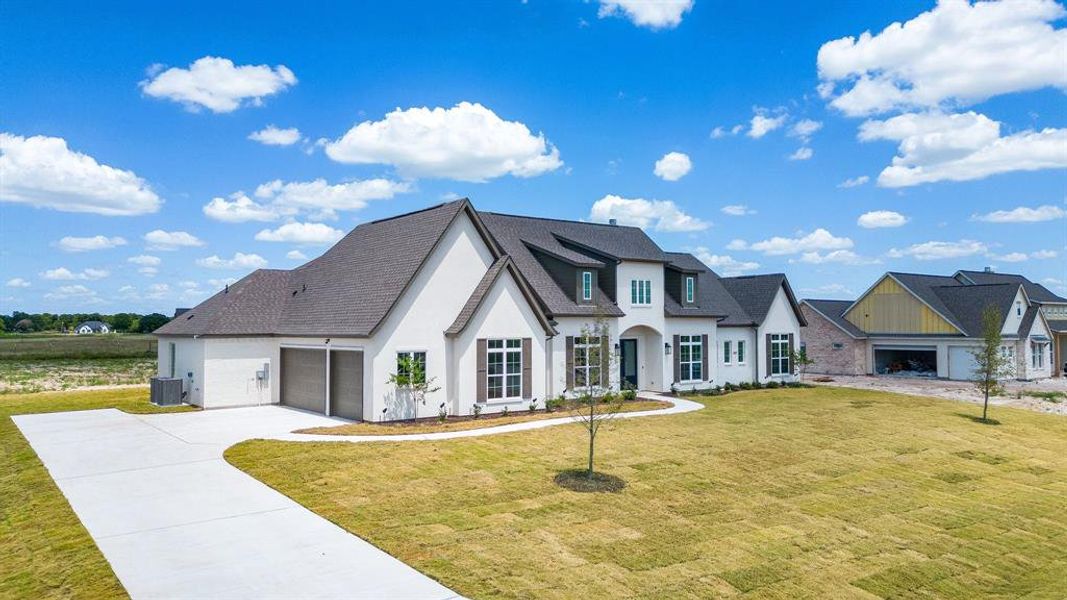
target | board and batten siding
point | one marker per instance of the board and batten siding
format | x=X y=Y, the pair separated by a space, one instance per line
x=889 y=308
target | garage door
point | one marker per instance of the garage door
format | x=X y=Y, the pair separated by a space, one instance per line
x=905 y=361
x=960 y=362
x=304 y=378
x=346 y=384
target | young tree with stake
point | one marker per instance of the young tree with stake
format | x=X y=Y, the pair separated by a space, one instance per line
x=410 y=377
x=992 y=365
x=597 y=404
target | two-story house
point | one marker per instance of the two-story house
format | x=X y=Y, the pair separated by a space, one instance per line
x=498 y=309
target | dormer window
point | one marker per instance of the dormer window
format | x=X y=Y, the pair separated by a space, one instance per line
x=690 y=289
x=587 y=285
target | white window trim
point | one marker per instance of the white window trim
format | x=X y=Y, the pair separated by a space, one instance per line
x=411 y=353
x=781 y=341
x=504 y=398
x=640 y=289
x=690 y=289
x=694 y=341
x=742 y=353
x=594 y=342
x=727 y=350
x=587 y=285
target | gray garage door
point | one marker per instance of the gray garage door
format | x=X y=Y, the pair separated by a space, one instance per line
x=346 y=384
x=304 y=378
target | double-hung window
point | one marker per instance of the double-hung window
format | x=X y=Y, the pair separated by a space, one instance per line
x=587 y=361
x=411 y=368
x=640 y=292
x=780 y=354
x=690 y=357
x=587 y=285
x=690 y=289
x=504 y=369
x=740 y=352
x=726 y=347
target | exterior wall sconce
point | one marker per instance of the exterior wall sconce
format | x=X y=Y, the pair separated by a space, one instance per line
x=616 y=346
x=666 y=348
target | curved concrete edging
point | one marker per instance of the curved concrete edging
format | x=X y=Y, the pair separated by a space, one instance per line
x=679 y=406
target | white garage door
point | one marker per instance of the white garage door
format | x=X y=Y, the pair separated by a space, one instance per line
x=960 y=362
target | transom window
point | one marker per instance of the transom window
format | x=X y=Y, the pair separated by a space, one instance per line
x=504 y=369
x=411 y=368
x=640 y=292
x=780 y=354
x=726 y=354
x=587 y=361
x=587 y=285
x=690 y=357
x=740 y=352
x=690 y=289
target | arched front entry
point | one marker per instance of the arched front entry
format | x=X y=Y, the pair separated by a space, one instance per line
x=641 y=358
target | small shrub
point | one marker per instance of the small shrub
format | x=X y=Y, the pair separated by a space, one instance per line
x=554 y=404
x=746 y=385
x=533 y=405
x=771 y=385
x=629 y=395
x=504 y=412
x=608 y=398
x=476 y=410
x=442 y=413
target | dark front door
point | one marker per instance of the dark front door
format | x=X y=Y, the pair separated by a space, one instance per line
x=628 y=363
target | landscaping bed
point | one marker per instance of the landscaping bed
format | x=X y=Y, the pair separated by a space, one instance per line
x=435 y=425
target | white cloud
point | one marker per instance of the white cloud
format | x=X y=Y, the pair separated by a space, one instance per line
x=726 y=264
x=845 y=257
x=654 y=14
x=86 y=244
x=467 y=142
x=43 y=172
x=272 y=136
x=238 y=209
x=762 y=123
x=218 y=85
x=18 y=282
x=737 y=210
x=148 y=271
x=661 y=215
x=157 y=291
x=145 y=260
x=240 y=261
x=1044 y=254
x=940 y=250
x=854 y=182
x=1012 y=257
x=171 y=240
x=833 y=289
x=803 y=153
x=321 y=200
x=804 y=128
x=673 y=166
x=737 y=245
x=65 y=274
x=64 y=292
x=1023 y=214
x=221 y=282
x=295 y=255
x=957 y=52
x=960 y=147
x=302 y=233
x=881 y=218
x=817 y=240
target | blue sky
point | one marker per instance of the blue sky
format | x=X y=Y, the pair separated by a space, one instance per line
x=132 y=119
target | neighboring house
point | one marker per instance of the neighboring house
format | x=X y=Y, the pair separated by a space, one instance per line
x=493 y=305
x=928 y=325
x=90 y=327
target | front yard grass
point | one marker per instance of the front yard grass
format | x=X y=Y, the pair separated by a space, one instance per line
x=45 y=552
x=773 y=493
x=494 y=420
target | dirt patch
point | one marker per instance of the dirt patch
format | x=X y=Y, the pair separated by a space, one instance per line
x=1016 y=393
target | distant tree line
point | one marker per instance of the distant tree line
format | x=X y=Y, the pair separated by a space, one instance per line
x=22 y=322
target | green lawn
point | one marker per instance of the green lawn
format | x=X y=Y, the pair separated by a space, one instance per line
x=52 y=346
x=44 y=550
x=775 y=493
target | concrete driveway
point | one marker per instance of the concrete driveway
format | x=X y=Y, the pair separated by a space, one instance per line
x=177 y=521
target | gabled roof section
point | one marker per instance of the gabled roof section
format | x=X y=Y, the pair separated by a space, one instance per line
x=834 y=312
x=250 y=306
x=1036 y=291
x=967 y=303
x=756 y=293
x=492 y=274
x=712 y=299
x=920 y=286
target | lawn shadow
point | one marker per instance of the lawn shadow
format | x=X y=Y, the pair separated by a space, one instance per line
x=978 y=419
x=577 y=480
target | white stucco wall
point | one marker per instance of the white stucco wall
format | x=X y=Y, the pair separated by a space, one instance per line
x=691 y=326
x=230 y=366
x=504 y=313
x=780 y=319
x=1014 y=319
x=557 y=350
x=735 y=372
x=418 y=321
x=188 y=365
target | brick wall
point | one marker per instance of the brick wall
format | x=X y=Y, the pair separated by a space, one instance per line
x=834 y=351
